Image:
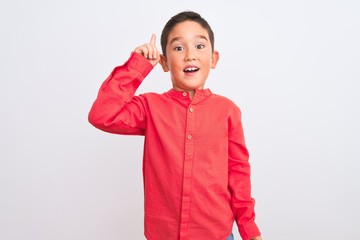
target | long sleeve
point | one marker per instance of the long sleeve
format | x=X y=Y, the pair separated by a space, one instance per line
x=239 y=179
x=116 y=108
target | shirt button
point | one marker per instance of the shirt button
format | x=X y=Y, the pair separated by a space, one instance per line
x=191 y=109
x=184 y=94
x=189 y=137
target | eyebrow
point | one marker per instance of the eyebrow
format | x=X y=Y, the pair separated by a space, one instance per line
x=179 y=38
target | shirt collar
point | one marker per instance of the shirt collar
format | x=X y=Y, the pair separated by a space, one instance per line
x=183 y=96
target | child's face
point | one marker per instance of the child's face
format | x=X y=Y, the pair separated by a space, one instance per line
x=189 y=56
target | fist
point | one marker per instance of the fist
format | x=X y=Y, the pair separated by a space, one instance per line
x=257 y=238
x=149 y=51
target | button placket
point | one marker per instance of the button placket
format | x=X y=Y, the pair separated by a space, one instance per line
x=187 y=171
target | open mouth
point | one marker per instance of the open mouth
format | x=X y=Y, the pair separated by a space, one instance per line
x=191 y=69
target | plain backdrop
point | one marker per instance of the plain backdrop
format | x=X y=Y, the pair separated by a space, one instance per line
x=293 y=67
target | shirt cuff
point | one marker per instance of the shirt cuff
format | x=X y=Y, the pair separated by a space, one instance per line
x=249 y=230
x=139 y=63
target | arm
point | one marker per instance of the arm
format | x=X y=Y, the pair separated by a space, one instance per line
x=239 y=180
x=116 y=108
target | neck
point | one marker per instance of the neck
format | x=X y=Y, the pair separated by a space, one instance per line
x=191 y=94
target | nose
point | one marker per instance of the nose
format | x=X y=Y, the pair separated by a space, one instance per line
x=190 y=54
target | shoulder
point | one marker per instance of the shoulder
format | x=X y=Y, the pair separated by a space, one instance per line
x=155 y=97
x=224 y=102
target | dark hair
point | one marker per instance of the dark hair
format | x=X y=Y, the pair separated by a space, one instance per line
x=182 y=17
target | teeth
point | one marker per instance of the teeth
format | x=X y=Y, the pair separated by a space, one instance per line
x=191 y=69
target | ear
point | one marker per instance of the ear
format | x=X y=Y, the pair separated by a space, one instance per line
x=163 y=63
x=214 y=58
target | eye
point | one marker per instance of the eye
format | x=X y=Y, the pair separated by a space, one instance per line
x=178 y=48
x=200 y=46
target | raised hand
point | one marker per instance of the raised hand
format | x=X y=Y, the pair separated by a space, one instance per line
x=149 y=51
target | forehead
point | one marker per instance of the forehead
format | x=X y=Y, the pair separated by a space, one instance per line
x=187 y=30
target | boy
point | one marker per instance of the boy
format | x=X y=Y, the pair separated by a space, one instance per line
x=195 y=164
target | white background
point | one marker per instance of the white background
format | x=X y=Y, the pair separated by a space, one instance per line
x=292 y=66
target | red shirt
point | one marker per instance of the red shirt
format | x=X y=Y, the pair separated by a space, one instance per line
x=195 y=164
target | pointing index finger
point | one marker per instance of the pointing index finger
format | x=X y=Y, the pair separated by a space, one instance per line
x=153 y=39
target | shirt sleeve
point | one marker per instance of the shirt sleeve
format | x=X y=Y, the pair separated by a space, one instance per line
x=239 y=179
x=116 y=108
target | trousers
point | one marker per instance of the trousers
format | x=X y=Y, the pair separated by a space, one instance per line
x=231 y=237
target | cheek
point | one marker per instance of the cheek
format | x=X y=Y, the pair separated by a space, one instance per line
x=208 y=63
x=174 y=64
